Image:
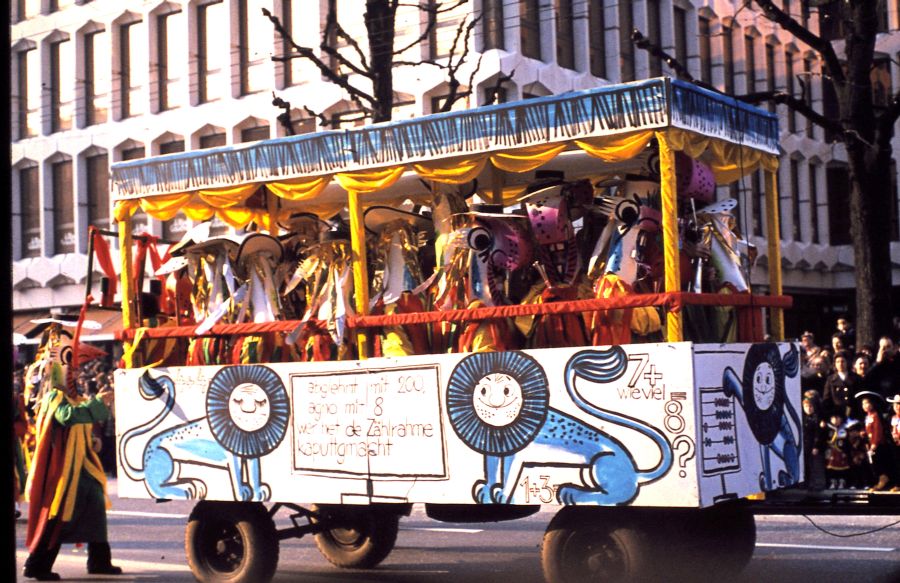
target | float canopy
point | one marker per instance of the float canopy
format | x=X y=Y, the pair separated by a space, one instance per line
x=592 y=133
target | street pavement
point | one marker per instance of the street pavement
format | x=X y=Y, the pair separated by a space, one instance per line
x=148 y=543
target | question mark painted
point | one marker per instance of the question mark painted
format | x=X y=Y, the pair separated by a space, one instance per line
x=684 y=445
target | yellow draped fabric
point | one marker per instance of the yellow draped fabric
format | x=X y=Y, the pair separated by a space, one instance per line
x=453 y=171
x=302 y=189
x=616 y=148
x=370 y=180
x=526 y=159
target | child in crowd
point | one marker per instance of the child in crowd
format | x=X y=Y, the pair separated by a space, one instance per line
x=814 y=436
x=876 y=446
x=860 y=475
x=894 y=442
x=837 y=456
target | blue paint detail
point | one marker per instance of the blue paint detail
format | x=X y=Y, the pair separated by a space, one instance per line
x=610 y=474
x=211 y=441
x=772 y=427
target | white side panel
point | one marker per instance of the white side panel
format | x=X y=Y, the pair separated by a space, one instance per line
x=749 y=420
x=595 y=426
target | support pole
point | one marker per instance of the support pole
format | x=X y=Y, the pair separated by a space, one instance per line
x=127 y=293
x=668 y=194
x=360 y=268
x=773 y=236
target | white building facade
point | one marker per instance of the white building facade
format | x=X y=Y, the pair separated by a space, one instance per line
x=100 y=81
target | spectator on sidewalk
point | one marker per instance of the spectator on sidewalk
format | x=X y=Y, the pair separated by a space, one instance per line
x=840 y=387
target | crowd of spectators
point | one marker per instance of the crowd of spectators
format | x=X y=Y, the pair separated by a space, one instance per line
x=851 y=412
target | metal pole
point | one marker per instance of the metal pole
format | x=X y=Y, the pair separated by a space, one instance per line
x=667 y=194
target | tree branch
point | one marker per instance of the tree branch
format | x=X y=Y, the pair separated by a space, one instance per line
x=284 y=118
x=824 y=48
x=642 y=42
x=356 y=95
x=332 y=24
x=794 y=104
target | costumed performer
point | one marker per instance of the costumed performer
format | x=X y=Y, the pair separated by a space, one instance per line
x=66 y=484
x=396 y=236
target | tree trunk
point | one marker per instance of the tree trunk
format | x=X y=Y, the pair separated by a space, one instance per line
x=380 y=26
x=870 y=227
x=870 y=179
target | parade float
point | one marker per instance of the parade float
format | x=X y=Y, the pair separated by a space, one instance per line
x=545 y=302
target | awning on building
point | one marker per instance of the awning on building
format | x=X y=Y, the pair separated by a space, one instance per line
x=25 y=331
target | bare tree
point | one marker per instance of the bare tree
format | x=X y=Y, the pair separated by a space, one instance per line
x=866 y=132
x=366 y=75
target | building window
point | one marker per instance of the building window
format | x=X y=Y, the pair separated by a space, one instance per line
x=212 y=141
x=807 y=94
x=597 y=38
x=565 y=34
x=728 y=58
x=830 y=109
x=881 y=10
x=895 y=209
x=494 y=94
x=880 y=76
x=95 y=81
x=255 y=134
x=789 y=88
x=98 y=190
x=166 y=76
x=131 y=58
x=704 y=33
x=750 y=62
x=443 y=34
x=30 y=199
x=680 y=29
x=654 y=34
x=171 y=147
x=759 y=203
x=795 y=201
x=27 y=101
x=212 y=50
x=63 y=207
x=814 y=204
x=837 y=181
x=492 y=17
x=626 y=49
x=530 y=24
x=253 y=52
x=60 y=105
x=770 y=74
x=831 y=21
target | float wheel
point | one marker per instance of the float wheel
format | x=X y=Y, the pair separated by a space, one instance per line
x=355 y=537
x=582 y=544
x=231 y=542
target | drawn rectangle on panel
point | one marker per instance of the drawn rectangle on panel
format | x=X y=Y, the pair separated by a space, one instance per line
x=718 y=433
x=371 y=423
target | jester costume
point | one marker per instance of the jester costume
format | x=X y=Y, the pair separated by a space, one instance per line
x=66 y=485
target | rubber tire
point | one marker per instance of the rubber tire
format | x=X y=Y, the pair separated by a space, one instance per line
x=252 y=556
x=363 y=536
x=720 y=540
x=584 y=544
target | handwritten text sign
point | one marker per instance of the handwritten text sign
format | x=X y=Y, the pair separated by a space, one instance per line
x=369 y=423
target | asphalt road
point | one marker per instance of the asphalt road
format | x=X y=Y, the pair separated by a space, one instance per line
x=148 y=542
